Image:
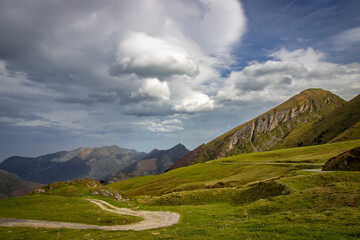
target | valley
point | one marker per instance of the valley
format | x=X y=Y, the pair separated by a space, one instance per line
x=263 y=195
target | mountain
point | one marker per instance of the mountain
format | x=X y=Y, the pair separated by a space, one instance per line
x=286 y=125
x=95 y=163
x=13 y=186
x=156 y=162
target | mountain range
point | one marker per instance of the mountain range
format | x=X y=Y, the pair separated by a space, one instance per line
x=312 y=117
x=156 y=162
x=95 y=163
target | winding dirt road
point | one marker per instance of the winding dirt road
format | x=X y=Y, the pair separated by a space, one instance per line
x=152 y=220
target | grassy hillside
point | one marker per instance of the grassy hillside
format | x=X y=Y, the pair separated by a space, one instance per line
x=60 y=208
x=339 y=125
x=269 y=195
x=235 y=170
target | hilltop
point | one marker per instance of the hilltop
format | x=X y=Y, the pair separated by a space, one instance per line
x=309 y=118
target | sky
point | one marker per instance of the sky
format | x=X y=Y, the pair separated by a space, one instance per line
x=147 y=74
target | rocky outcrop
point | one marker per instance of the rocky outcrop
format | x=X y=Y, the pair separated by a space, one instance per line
x=269 y=130
x=346 y=161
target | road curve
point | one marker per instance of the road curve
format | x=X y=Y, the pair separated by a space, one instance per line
x=152 y=220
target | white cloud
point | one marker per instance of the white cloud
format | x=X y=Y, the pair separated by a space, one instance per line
x=222 y=24
x=157 y=126
x=149 y=56
x=194 y=102
x=346 y=39
x=153 y=88
x=172 y=121
x=291 y=72
x=308 y=57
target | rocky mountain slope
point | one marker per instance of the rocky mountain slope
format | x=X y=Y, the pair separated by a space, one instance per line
x=339 y=125
x=95 y=163
x=283 y=126
x=13 y=186
x=156 y=162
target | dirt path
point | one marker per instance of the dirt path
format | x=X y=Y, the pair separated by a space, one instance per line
x=152 y=219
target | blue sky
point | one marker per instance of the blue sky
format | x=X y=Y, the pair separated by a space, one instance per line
x=150 y=74
x=299 y=24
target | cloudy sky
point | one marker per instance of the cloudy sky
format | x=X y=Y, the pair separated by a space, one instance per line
x=152 y=73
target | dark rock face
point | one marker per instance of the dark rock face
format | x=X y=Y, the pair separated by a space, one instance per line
x=346 y=161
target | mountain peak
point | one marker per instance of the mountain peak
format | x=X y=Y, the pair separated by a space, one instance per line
x=179 y=146
x=270 y=129
x=315 y=97
x=314 y=90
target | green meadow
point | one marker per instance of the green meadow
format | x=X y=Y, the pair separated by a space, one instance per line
x=270 y=195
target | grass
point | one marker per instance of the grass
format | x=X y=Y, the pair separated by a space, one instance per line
x=265 y=219
x=59 y=208
x=200 y=176
x=253 y=196
x=310 y=154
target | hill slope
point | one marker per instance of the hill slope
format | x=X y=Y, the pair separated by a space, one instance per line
x=235 y=171
x=339 y=125
x=13 y=186
x=96 y=163
x=273 y=128
x=156 y=162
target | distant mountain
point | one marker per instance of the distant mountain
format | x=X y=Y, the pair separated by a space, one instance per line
x=311 y=117
x=156 y=162
x=95 y=163
x=13 y=186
